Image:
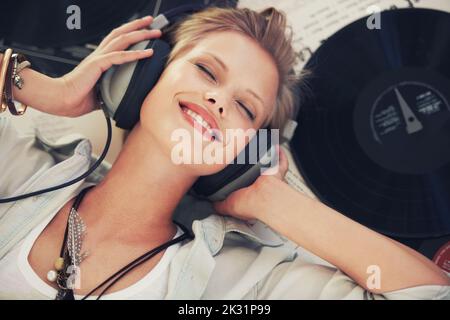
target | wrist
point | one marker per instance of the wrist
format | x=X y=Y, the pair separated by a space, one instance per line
x=55 y=103
x=62 y=93
x=269 y=196
x=281 y=204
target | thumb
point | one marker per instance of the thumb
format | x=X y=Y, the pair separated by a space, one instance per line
x=221 y=207
x=281 y=167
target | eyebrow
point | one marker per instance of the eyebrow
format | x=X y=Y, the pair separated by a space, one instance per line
x=222 y=64
x=255 y=95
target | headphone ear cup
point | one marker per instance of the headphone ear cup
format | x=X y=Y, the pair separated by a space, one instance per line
x=258 y=154
x=123 y=88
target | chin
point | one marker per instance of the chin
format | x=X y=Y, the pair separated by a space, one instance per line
x=175 y=138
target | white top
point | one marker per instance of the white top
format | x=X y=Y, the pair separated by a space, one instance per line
x=227 y=259
x=19 y=281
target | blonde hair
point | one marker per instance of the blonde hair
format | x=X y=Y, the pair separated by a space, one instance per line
x=268 y=28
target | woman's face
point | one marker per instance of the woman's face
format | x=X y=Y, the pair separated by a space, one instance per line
x=228 y=80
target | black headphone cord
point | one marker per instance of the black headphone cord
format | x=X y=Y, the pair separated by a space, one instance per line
x=68 y=183
x=135 y=263
x=67 y=294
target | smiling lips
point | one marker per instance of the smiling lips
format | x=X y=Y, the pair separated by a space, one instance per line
x=200 y=119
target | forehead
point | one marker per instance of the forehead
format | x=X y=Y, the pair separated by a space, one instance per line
x=249 y=65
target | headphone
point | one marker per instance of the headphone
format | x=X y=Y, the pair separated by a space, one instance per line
x=122 y=90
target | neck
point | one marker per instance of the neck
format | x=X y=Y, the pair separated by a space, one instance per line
x=140 y=192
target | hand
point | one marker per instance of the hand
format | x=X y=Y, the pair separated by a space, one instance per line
x=78 y=85
x=247 y=203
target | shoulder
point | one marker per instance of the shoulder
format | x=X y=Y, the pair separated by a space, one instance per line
x=20 y=158
x=28 y=155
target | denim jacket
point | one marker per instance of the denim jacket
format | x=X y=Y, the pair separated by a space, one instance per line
x=227 y=259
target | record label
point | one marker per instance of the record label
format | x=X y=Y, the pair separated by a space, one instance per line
x=442 y=257
x=373 y=134
x=401 y=121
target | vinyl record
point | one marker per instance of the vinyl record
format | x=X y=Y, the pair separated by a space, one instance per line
x=436 y=249
x=373 y=140
x=47 y=23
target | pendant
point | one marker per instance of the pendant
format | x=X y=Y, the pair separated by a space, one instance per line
x=52 y=275
x=77 y=231
x=59 y=264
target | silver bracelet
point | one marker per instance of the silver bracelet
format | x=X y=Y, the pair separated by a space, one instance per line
x=17 y=68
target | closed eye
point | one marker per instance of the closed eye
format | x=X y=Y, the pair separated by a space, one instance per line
x=210 y=75
x=247 y=111
x=206 y=71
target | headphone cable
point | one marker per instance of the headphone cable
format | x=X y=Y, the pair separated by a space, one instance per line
x=70 y=182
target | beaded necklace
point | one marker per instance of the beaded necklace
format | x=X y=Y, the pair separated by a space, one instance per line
x=66 y=273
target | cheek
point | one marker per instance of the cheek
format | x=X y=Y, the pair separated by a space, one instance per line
x=160 y=99
x=206 y=169
x=151 y=102
x=158 y=115
x=181 y=77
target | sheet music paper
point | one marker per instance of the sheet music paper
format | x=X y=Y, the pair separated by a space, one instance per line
x=312 y=22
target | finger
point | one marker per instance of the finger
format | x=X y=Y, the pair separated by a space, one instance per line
x=228 y=208
x=124 y=41
x=280 y=168
x=283 y=162
x=221 y=207
x=126 y=28
x=273 y=170
x=104 y=62
x=91 y=70
x=282 y=165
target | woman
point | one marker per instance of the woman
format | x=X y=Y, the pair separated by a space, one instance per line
x=129 y=210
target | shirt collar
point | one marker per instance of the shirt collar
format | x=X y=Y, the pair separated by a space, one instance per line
x=215 y=227
x=73 y=144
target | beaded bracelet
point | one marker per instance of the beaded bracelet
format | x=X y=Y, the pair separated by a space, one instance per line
x=16 y=79
x=19 y=63
x=12 y=64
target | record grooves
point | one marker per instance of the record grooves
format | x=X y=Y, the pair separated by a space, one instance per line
x=373 y=140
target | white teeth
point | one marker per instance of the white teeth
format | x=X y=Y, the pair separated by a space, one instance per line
x=197 y=118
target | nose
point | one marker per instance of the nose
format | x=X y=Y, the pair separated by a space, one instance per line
x=215 y=103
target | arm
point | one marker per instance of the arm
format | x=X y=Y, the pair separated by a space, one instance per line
x=346 y=244
x=343 y=242
x=72 y=95
x=40 y=91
